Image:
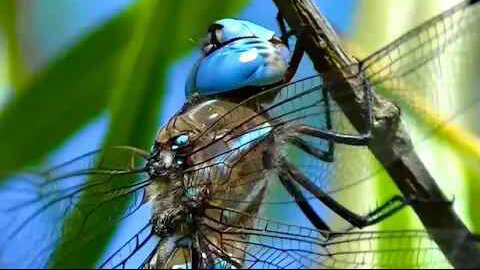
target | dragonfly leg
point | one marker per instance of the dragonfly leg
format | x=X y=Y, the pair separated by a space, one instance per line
x=304 y=204
x=298 y=50
x=195 y=258
x=388 y=208
x=331 y=136
x=285 y=34
x=307 y=147
x=294 y=60
x=300 y=199
x=323 y=155
x=361 y=139
x=380 y=213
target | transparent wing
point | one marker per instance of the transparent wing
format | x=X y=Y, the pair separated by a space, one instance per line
x=134 y=252
x=263 y=243
x=430 y=71
x=304 y=102
x=42 y=210
x=412 y=71
x=420 y=72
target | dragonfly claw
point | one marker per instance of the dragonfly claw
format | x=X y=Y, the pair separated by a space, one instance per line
x=415 y=200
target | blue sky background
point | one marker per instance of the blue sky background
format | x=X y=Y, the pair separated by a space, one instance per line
x=58 y=24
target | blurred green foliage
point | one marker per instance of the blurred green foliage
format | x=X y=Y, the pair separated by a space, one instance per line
x=451 y=144
x=8 y=26
x=78 y=86
x=119 y=67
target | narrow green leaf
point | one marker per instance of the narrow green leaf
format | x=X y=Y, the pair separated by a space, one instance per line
x=162 y=31
x=473 y=192
x=62 y=98
x=17 y=70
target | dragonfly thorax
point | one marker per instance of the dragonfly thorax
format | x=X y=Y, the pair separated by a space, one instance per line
x=229 y=162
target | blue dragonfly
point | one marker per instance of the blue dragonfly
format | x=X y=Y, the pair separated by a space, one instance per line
x=245 y=131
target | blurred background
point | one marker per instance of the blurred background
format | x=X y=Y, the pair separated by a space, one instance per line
x=77 y=75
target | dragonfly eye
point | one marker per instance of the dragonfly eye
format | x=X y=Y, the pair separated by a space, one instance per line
x=180 y=141
x=214 y=39
x=208 y=48
x=218 y=36
x=215 y=34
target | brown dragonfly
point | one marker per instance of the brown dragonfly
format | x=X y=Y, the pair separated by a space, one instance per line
x=216 y=168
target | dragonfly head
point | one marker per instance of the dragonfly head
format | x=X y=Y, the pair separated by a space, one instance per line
x=176 y=144
x=168 y=156
x=237 y=54
x=226 y=31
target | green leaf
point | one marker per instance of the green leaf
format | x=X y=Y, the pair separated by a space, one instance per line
x=8 y=24
x=161 y=35
x=59 y=100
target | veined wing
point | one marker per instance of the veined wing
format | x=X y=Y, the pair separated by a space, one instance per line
x=270 y=244
x=289 y=105
x=229 y=239
x=430 y=71
x=38 y=205
x=417 y=71
x=305 y=101
x=414 y=70
x=134 y=252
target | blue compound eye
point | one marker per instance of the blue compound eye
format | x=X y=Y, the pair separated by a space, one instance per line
x=180 y=141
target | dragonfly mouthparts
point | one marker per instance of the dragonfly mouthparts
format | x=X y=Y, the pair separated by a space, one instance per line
x=170 y=221
x=160 y=164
